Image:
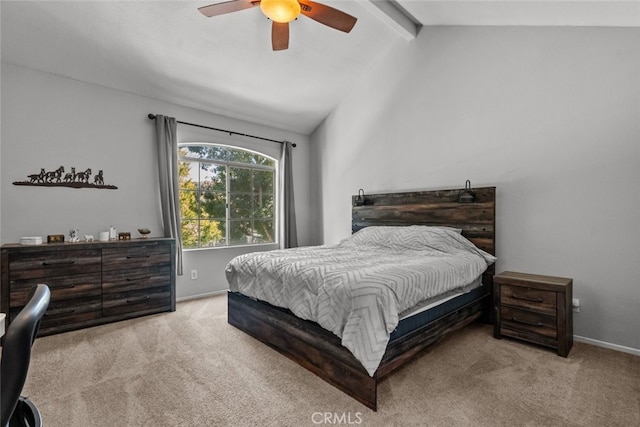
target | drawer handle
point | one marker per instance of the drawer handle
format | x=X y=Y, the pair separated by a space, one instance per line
x=132 y=300
x=514 y=296
x=138 y=279
x=60 y=313
x=49 y=263
x=138 y=256
x=524 y=322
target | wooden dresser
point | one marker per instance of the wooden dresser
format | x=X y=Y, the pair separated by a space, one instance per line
x=91 y=282
x=534 y=308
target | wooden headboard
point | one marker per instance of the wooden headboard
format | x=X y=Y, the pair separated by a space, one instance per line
x=438 y=207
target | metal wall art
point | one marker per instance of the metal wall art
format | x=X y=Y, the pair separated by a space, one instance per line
x=73 y=179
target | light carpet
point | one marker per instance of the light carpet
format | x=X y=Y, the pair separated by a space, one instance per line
x=190 y=368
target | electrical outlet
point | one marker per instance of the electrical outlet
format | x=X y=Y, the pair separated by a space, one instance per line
x=194 y=274
x=576 y=305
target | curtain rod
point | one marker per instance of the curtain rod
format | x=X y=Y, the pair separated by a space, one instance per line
x=230 y=132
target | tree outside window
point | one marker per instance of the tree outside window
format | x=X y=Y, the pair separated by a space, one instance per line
x=227 y=196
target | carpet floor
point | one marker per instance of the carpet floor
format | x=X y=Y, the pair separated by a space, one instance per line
x=190 y=368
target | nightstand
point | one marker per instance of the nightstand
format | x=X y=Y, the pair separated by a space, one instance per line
x=534 y=308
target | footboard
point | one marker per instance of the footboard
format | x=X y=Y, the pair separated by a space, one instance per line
x=304 y=342
x=321 y=352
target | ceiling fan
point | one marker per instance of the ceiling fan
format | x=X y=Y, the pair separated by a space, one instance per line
x=281 y=12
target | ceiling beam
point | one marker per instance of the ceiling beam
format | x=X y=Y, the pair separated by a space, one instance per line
x=388 y=12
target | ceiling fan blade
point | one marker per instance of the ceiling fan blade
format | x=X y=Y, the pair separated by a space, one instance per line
x=227 y=7
x=279 y=35
x=327 y=15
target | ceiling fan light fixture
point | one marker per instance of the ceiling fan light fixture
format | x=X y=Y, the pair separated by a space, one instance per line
x=281 y=11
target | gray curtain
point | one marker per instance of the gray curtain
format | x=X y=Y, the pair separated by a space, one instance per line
x=166 y=130
x=289 y=232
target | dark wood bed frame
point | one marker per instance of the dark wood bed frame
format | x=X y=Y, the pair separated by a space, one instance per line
x=320 y=351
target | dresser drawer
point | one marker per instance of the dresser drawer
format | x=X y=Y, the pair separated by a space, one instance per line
x=133 y=279
x=53 y=263
x=139 y=256
x=62 y=287
x=151 y=299
x=536 y=300
x=68 y=313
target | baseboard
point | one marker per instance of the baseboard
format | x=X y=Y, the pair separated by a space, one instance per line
x=205 y=295
x=630 y=350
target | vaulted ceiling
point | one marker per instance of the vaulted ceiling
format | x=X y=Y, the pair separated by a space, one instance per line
x=224 y=64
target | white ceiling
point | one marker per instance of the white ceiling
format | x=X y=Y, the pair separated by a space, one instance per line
x=169 y=51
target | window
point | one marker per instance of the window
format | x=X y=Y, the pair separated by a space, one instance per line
x=227 y=196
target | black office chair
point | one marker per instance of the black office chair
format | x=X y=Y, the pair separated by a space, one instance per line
x=16 y=353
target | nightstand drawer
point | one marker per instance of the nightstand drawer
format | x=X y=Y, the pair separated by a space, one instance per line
x=532 y=338
x=531 y=299
x=527 y=321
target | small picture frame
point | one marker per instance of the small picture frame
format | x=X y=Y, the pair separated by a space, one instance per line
x=124 y=236
x=55 y=238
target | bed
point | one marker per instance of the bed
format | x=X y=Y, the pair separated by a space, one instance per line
x=262 y=310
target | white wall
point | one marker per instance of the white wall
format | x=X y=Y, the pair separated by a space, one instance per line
x=550 y=116
x=48 y=121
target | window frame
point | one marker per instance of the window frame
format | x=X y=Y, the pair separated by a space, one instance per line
x=228 y=164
